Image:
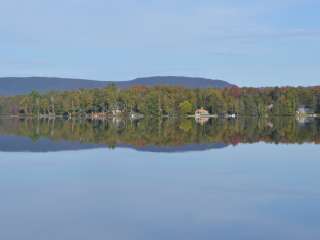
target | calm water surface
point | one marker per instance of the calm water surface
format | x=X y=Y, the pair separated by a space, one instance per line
x=244 y=191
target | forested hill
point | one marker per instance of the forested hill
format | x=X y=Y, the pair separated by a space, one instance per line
x=23 y=85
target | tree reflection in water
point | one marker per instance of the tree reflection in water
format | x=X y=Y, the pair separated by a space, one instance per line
x=167 y=132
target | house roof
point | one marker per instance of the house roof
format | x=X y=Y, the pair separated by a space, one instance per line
x=201 y=110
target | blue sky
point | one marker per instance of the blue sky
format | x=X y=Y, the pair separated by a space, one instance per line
x=249 y=43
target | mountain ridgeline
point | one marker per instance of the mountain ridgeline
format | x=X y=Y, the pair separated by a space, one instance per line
x=11 y=86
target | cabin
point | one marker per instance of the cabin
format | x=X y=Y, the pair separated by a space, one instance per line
x=116 y=111
x=304 y=110
x=270 y=107
x=201 y=113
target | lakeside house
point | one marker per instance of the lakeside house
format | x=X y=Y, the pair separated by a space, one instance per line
x=116 y=111
x=270 y=106
x=304 y=110
x=305 y=115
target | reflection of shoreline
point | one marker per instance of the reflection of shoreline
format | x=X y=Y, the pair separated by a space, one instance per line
x=202 y=120
x=305 y=119
x=42 y=145
x=157 y=134
x=128 y=118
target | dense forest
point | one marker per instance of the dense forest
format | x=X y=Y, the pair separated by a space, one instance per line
x=169 y=101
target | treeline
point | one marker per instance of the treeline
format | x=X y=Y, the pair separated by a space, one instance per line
x=170 y=101
x=165 y=132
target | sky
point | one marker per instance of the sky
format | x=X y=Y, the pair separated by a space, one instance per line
x=245 y=42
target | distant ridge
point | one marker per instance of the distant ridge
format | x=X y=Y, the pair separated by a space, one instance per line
x=10 y=86
x=12 y=143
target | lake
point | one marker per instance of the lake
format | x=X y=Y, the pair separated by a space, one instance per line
x=160 y=179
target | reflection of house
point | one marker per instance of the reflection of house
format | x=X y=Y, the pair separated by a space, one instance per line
x=201 y=113
x=304 y=120
x=134 y=115
x=202 y=120
x=98 y=115
x=270 y=124
x=232 y=115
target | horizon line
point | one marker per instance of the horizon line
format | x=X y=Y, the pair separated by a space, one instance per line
x=153 y=76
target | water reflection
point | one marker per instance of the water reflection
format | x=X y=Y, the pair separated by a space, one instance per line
x=161 y=135
x=252 y=191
